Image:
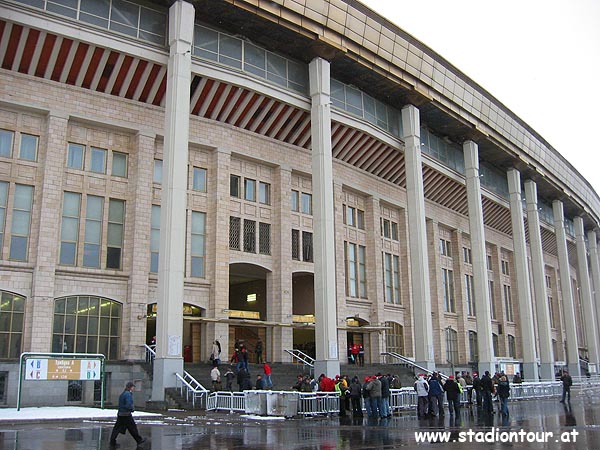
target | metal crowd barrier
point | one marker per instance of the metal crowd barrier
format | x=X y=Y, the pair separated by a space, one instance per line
x=226 y=401
x=318 y=403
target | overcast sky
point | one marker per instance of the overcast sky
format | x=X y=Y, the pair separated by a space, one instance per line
x=540 y=58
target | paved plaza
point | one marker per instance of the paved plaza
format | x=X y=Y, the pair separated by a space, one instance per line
x=578 y=424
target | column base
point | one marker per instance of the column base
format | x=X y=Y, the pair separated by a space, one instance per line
x=530 y=371
x=164 y=376
x=330 y=367
x=547 y=372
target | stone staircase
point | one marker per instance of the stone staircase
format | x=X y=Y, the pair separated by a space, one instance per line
x=284 y=374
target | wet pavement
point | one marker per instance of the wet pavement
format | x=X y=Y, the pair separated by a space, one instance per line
x=529 y=422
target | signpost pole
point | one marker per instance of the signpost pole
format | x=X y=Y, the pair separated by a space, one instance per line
x=21 y=363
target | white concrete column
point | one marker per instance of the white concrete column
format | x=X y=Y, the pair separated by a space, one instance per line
x=327 y=354
x=171 y=265
x=566 y=289
x=595 y=270
x=583 y=276
x=530 y=367
x=539 y=282
x=419 y=262
x=478 y=253
x=40 y=309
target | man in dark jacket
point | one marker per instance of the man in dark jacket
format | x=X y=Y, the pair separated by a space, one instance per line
x=125 y=420
x=355 y=397
x=385 y=395
x=453 y=395
x=503 y=393
x=477 y=388
x=567 y=382
x=487 y=389
x=436 y=396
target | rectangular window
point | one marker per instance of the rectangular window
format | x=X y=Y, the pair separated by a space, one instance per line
x=356 y=270
x=264 y=238
x=360 y=219
x=21 y=222
x=551 y=312
x=198 y=243
x=234 y=186
x=154 y=238
x=350 y=216
x=69 y=231
x=116 y=223
x=445 y=249
x=158 y=171
x=98 y=160
x=512 y=347
x=448 y=284
x=489 y=262
x=75 y=156
x=306 y=203
x=495 y=344
x=249 y=236
x=93 y=231
x=470 y=295
x=29 y=147
x=249 y=190
x=6 y=143
x=3 y=205
x=199 y=179
x=391 y=267
x=264 y=193
x=386 y=228
x=467 y=255
x=505 y=270
x=296 y=245
x=508 y=303
x=492 y=303
x=235 y=225
x=394 y=231
x=473 y=347
x=307 y=246
x=295 y=201
x=119 y=164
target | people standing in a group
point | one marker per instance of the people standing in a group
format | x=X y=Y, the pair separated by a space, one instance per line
x=503 y=393
x=341 y=392
x=452 y=395
x=125 y=420
x=487 y=390
x=366 y=397
x=258 y=350
x=215 y=377
x=267 y=371
x=422 y=388
x=567 y=382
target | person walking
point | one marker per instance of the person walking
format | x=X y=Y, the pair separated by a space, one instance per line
x=267 y=371
x=567 y=382
x=125 y=420
x=503 y=393
x=215 y=376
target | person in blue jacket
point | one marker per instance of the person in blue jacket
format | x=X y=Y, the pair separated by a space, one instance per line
x=125 y=420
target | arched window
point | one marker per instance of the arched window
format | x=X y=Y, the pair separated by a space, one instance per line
x=394 y=337
x=87 y=324
x=12 y=308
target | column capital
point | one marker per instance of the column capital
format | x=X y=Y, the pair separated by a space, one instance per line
x=319 y=76
x=514 y=181
x=411 y=121
x=179 y=28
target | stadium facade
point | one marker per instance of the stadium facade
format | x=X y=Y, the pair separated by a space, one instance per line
x=300 y=172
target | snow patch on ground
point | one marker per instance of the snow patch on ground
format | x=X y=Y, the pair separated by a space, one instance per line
x=63 y=412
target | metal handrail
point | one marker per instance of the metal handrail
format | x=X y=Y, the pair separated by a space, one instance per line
x=410 y=362
x=302 y=357
x=192 y=387
x=150 y=353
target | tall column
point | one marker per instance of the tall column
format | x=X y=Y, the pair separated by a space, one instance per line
x=566 y=289
x=39 y=324
x=327 y=360
x=530 y=367
x=279 y=307
x=591 y=333
x=171 y=265
x=137 y=299
x=539 y=282
x=419 y=262
x=478 y=253
x=595 y=269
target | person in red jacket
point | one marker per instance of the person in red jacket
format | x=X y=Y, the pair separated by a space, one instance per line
x=267 y=378
x=326 y=384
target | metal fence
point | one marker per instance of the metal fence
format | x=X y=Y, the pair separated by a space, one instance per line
x=192 y=390
x=324 y=403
